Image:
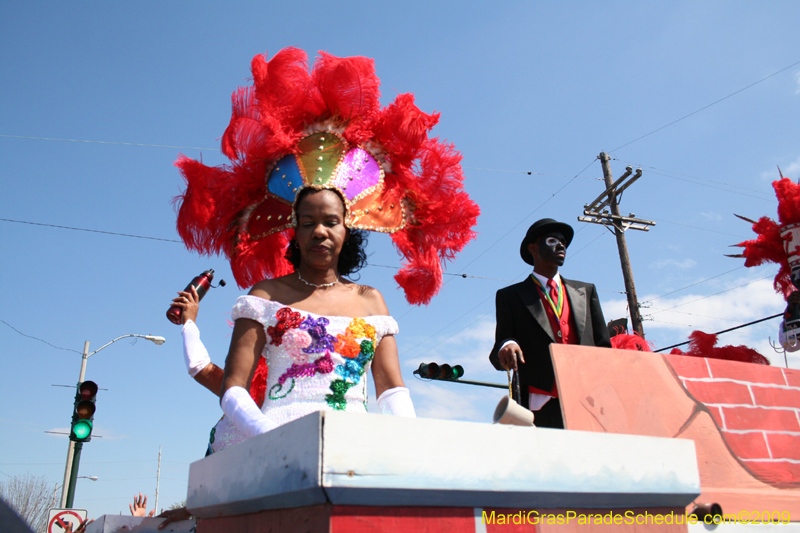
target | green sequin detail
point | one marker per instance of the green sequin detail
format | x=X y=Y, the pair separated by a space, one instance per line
x=276 y=390
x=368 y=349
x=339 y=388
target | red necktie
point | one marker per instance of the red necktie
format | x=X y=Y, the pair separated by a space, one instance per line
x=553 y=286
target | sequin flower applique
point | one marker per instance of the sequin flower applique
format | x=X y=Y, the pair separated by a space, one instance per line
x=321 y=340
x=311 y=337
x=287 y=319
x=295 y=341
x=357 y=357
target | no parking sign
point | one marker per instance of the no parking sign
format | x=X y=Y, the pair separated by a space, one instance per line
x=58 y=519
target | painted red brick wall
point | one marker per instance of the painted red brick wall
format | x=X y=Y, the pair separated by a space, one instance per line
x=757 y=409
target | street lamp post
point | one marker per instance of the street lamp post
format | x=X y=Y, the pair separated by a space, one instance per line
x=74 y=451
x=55 y=490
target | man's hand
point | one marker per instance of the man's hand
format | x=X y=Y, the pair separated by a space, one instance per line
x=139 y=507
x=509 y=355
x=174 y=515
x=67 y=526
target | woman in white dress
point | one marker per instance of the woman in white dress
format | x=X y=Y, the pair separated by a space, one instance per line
x=320 y=333
x=315 y=159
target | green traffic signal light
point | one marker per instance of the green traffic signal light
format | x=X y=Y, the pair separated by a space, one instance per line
x=83 y=412
x=82 y=429
x=443 y=372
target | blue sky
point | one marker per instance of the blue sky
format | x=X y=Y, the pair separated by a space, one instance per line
x=522 y=87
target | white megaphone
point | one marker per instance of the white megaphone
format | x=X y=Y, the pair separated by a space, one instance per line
x=510 y=412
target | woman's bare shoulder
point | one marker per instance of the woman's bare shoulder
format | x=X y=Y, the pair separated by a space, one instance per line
x=373 y=299
x=269 y=289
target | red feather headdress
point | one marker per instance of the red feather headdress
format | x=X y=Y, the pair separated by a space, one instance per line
x=769 y=246
x=326 y=129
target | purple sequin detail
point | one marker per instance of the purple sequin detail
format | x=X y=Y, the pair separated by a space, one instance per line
x=321 y=341
x=323 y=365
x=358 y=172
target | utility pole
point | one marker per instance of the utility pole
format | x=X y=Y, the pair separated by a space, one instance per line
x=158 y=478
x=597 y=212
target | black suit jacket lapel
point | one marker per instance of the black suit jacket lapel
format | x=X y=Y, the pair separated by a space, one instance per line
x=577 y=306
x=530 y=298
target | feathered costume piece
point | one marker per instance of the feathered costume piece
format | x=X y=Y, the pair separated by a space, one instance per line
x=769 y=246
x=704 y=345
x=326 y=129
x=631 y=341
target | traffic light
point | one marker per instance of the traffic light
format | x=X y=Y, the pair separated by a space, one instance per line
x=427 y=371
x=449 y=373
x=83 y=413
x=444 y=372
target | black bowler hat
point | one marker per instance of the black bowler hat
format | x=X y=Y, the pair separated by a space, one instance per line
x=539 y=228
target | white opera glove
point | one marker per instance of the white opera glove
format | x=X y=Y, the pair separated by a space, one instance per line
x=241 y=409
x=195 y=354
x=397 y=402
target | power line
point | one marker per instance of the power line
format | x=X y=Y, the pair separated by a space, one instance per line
x=700 y=228
x=447 y=326
x=180 y=242
x=109 y=142
x=89 y=230
x=462 y=275
x=526 y=172
x=693 y=284
x=706 y=107
x=38 y=339
x=710 y=295
x=669 y=172
x=698 y=315
x=448 y=274
x=725 y=330
x=530 y=173
x=506 y=234
x=762 y=198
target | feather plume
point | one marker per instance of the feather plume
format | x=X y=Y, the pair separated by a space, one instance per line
x=704 y=345
x=767 y=247
x=285 y=103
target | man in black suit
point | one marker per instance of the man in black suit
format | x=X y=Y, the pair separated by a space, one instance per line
x=543 y=309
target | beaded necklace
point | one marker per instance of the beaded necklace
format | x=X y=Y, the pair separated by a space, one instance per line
x=558 y=307
x=321 y=285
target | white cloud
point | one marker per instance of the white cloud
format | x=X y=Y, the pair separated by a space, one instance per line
x=58 y=432
x=797 y=79
x=672 y=263
x=712 y=216
x=454 y=401
x=791 y=171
